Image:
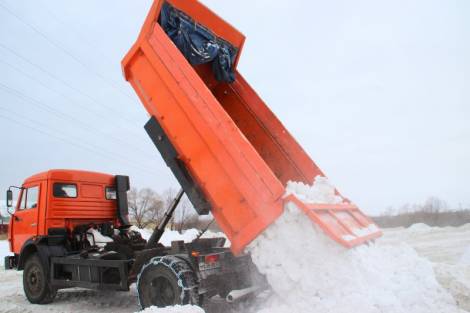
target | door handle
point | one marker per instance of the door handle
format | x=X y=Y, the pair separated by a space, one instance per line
x=34 y=225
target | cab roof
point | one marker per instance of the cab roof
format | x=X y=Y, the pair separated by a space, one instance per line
x=72 y=175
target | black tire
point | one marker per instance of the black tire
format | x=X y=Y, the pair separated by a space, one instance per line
x=36 y=281
x=166 y=281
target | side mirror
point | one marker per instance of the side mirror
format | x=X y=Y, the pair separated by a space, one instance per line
x=9 y=198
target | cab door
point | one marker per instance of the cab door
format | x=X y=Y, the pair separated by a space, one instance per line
x=25 y=218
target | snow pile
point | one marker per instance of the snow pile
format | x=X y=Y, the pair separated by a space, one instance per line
x=174 y=309
x=187 y=236
x=309 y=272
x=455 y=276
x=95 y=237
x=320 y=192
x=419 y=227
x=169 y=235
x=144 y=232
x=173 y=235
x=456 y=279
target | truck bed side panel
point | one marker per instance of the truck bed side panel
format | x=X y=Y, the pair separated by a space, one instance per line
x=244 y=192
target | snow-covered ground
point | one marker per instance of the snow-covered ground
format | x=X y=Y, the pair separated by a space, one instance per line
x=445 y=250
x=448 y=250
x=175 y=309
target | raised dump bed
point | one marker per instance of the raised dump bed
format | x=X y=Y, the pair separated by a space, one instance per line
x=227 y=149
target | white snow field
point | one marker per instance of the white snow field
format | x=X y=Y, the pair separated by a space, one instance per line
x=447 y=250
x=414 y=270
x=174 y=309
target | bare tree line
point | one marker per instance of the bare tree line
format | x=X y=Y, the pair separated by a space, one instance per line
x=433 y=212
x=147 y=207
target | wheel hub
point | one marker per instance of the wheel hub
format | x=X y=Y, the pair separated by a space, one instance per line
x=34 y=279
x=163 y=292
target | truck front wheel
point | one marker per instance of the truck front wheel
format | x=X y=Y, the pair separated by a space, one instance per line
x=35 y=282
x=166 y=281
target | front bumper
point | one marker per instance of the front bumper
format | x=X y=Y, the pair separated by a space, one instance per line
x=10 y=262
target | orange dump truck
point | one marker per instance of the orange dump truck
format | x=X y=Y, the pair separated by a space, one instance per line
x=230 y=153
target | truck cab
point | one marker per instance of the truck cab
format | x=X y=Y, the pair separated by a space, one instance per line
x=60 y=200
x=70 y=222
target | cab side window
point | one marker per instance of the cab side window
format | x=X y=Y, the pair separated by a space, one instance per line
x=30 y=198
x=62 y=190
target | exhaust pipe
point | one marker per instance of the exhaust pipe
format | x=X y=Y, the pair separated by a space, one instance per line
x=237 y=295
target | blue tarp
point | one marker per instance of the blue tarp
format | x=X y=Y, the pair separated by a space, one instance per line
x=198 y=44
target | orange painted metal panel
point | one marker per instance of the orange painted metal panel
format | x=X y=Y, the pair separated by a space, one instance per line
x=269 y=137
x=235 y=179
x=90 y=205
x=24 y=221
x=344 y=223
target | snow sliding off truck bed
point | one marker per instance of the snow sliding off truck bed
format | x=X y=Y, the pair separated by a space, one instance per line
x=230 y=153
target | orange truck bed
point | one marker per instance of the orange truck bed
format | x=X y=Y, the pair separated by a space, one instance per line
x=231 y=146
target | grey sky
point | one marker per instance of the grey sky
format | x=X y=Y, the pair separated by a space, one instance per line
x=377 y=92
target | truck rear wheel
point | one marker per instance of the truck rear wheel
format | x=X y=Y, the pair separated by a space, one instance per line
x=35 y=282
x=166 y=281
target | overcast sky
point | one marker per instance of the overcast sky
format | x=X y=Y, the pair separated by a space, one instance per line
x=377 y=92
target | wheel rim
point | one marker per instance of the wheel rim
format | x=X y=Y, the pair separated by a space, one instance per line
x=162 y=292
x=34 y=279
